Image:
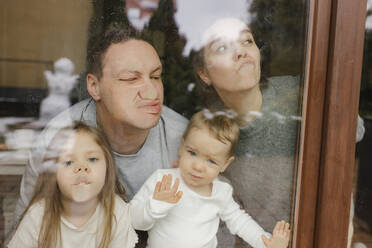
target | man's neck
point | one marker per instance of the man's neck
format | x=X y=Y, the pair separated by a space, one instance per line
x=122 y=138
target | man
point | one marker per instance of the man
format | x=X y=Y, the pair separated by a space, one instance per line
x=124 y=82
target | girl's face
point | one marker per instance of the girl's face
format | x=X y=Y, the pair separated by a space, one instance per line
x=231 y=57
x=81 y=169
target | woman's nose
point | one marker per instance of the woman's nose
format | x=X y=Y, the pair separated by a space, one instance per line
x=81 y=168
x=240 y=52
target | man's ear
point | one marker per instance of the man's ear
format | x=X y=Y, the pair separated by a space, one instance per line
x=93 y=86
x=204 y=77
x=227 y=163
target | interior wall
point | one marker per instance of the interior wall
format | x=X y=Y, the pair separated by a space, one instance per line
x=33 y=34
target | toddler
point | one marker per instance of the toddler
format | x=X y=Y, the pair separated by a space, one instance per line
x=187 y=214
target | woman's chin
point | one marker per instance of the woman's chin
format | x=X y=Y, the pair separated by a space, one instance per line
x=244 y=86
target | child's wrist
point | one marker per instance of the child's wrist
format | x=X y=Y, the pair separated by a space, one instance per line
x=159 y=209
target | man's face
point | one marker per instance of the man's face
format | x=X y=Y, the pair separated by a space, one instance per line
x=130 y=90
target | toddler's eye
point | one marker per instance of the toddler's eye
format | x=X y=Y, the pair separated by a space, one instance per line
x=192 y=153
x=92 y=159
x=212 y=161
x=67 y=163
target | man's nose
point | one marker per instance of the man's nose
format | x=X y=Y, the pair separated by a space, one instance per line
x=148 y=90
x=81 y=167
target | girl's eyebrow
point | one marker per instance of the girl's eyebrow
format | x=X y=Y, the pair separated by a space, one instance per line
x=65 y=155
x=65 y=152
x=93 y=151
x=70 y=154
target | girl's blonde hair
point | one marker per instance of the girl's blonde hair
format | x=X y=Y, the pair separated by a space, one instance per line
x=47 y=189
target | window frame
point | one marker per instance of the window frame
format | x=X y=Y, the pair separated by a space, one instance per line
x=331 y=99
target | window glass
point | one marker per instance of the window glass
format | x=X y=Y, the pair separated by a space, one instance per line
x=360 y=234
x=241 y=59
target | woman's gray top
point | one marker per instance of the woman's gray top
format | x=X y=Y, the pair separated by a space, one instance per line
x=263 y=170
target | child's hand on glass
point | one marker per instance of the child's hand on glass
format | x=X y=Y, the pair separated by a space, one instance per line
x=175 y=164
x=164 y=191
x=280 y=238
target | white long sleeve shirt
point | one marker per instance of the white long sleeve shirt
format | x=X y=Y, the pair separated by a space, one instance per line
x=192 y=222
x=87 y=236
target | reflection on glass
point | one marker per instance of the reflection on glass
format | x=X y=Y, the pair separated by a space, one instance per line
x=34 y=36
x=229 y=69
x=250 y=66
x=361 y=225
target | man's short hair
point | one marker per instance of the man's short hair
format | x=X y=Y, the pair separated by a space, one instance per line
x=113 y=35
x=220 y=125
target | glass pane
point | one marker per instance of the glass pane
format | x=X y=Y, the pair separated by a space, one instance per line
x=362 y=195
x=138 y=70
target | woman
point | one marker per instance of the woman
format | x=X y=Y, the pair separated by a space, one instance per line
x=229 y=66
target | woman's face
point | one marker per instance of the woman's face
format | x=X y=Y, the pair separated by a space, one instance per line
x=232 y=61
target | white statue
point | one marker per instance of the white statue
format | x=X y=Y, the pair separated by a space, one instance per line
x=60 y=84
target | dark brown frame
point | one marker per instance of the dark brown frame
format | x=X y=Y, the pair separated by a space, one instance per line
x=335 y=52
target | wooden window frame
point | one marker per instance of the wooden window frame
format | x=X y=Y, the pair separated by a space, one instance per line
x=326 y=161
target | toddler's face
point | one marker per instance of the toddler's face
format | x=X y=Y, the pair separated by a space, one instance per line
x=81 y=169
x=202 y=158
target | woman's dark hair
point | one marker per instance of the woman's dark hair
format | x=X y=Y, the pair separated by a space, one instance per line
x=209 y=94
x=113 y=35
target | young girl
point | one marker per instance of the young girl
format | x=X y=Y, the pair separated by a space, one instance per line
x=76 y=201
x=187 y=214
